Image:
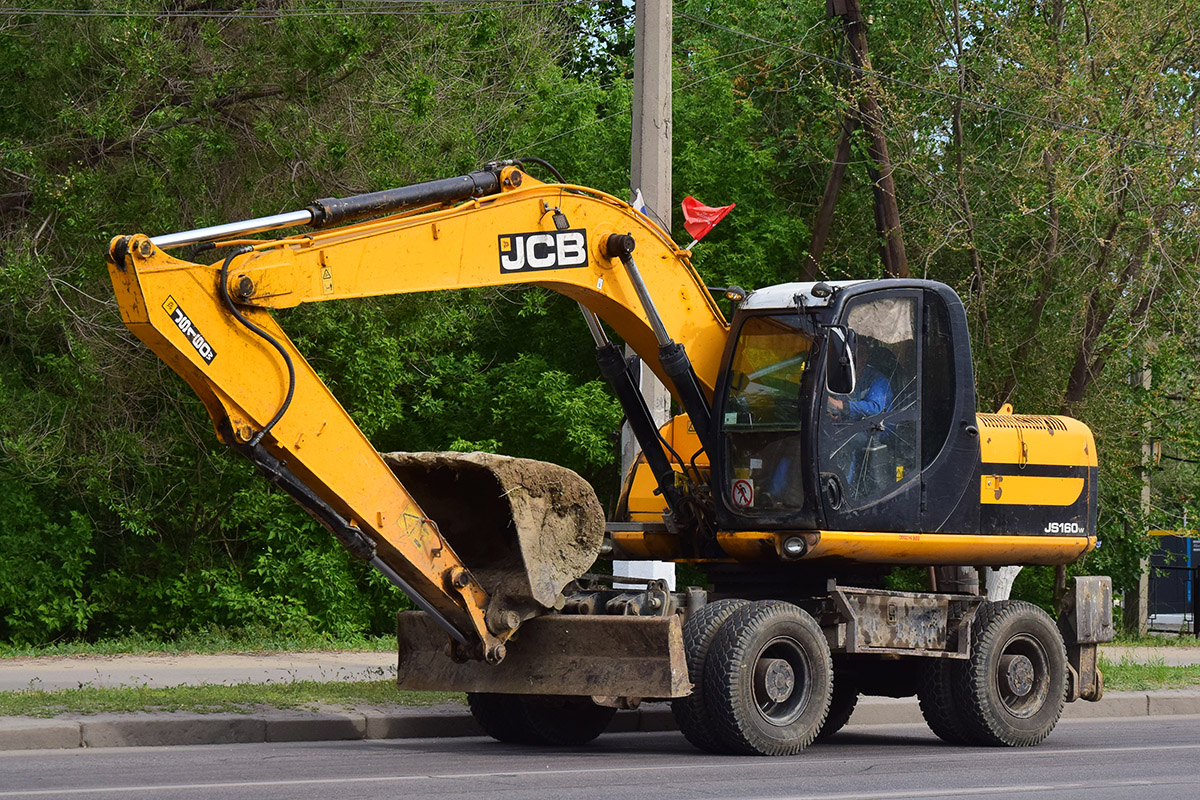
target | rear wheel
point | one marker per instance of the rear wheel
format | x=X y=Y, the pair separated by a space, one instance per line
x=540 y=720
x=566 y=721
x=935 y=692
x=768 y=680
x=692 y=712
x=842 y=702
x=1013 y=688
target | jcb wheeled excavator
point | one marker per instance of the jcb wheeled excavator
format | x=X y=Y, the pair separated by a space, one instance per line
x=827 y=434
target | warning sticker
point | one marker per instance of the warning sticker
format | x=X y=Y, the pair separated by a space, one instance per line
x=326 y=280
x=743 y=493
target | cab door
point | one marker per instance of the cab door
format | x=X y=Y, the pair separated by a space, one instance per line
x=869 y=440
x=950 y=468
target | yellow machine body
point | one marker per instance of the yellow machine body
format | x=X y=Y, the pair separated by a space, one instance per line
x=211 y=323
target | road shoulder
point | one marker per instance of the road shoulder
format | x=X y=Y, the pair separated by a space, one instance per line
x=144 y=729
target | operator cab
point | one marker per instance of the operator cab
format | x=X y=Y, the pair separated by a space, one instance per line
x=847 y=406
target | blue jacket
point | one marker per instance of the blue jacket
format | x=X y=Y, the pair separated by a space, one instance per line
x=872 y=395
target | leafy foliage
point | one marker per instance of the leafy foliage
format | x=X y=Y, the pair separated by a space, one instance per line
x=124 y=514
x=1045 y=157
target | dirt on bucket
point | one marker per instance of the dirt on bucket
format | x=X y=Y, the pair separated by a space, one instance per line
x=524 y=528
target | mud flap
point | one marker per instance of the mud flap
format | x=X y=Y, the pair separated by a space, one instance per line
x=556 y=654
x=1086 y=623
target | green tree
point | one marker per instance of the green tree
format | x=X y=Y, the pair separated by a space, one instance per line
x=1045 y=157
x=122 y=511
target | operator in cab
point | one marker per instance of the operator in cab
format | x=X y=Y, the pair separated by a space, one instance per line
x=873 y=391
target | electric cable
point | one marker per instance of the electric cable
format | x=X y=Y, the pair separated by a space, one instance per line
x=378 y=7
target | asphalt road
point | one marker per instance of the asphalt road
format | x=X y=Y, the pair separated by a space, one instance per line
x=1155 y=758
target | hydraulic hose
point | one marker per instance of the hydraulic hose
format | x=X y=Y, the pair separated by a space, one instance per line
x=271 y=340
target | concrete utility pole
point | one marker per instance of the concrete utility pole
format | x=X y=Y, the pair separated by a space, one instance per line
x=1136 y=605
x=650 y=169
x=651 y=172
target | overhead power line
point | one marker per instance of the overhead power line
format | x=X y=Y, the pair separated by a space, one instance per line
x=394 y=8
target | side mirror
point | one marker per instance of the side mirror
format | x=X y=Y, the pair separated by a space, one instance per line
x=841 y=374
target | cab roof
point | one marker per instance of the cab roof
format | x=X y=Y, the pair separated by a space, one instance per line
x=787 y=295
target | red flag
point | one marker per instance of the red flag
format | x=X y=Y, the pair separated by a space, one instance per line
x=699 y=219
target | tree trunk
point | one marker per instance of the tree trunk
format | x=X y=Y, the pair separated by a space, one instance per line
x=887 y=212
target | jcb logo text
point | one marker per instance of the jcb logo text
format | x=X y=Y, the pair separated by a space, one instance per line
x=524 y=252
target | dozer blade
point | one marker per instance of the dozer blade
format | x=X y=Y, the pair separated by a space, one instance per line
x=524 y=528
x=557 y=654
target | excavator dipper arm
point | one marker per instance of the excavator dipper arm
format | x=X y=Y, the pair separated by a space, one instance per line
x=211 y=324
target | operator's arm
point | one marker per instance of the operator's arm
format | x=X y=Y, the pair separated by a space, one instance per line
x=876 y=398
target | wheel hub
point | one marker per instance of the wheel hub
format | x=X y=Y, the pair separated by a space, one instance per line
x=1017 y=673
x=775 y=678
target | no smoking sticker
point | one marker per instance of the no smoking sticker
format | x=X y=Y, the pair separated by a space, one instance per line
x=743 y=493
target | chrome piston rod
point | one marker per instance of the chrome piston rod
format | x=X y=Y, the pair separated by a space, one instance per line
x=288 y=220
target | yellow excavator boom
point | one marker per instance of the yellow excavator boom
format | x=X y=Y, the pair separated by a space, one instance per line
x=211 y=324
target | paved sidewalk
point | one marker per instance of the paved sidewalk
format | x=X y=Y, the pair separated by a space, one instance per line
x=158 y=671
x=274 y=725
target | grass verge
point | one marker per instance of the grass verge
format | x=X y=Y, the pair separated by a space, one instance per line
x=214 y=699
x=1125 y=675
x=205 y=641
x=1157 y=640
x=1130 y=676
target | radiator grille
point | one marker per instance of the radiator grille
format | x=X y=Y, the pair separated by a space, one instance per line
x=1028 y=422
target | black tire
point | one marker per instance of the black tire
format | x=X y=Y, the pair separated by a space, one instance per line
x=935 y=692
x=939 y=683
x=691 y=712
x=842 y=702
x=540 y=720
x=566 y=721
x=768 y=680
x=1012 y=690
x=502 y=717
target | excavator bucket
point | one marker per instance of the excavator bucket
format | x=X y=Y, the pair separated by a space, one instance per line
x=524 y=528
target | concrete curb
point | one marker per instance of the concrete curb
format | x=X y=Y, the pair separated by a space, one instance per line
x=185 y=728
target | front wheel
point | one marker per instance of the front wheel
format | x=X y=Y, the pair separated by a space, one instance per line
x=768 y=680
x=539 y=720
x=691 y=712
x=1013 y=688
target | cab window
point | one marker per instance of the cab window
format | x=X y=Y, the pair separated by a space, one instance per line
x=937 y=377
x=869 y=438
x=763 y=415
